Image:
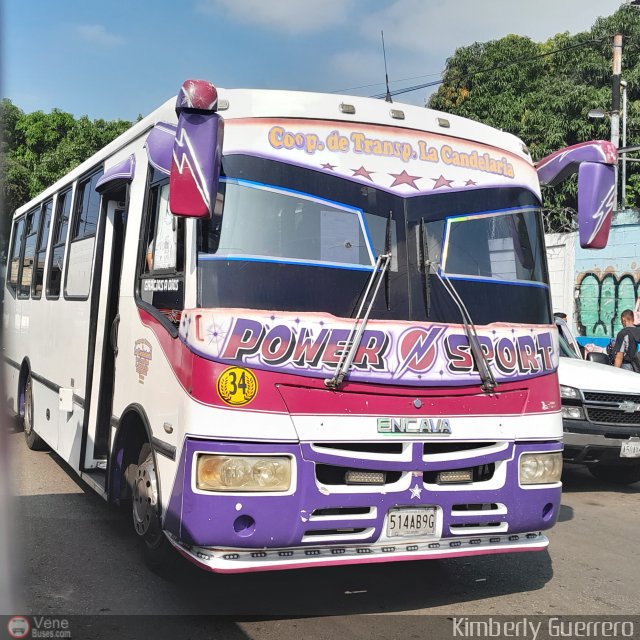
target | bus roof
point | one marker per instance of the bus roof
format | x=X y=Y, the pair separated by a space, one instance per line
x=265 y=104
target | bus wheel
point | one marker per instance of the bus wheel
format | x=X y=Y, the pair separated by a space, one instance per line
x=33 y=440
x=619 y=474
x=157 y=550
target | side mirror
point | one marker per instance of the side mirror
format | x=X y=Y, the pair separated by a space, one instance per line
x=596 y=201
x=595 y=162
x=197 y=151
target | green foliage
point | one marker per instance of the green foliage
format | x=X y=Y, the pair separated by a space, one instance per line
x=39 y=148
x=544 y=99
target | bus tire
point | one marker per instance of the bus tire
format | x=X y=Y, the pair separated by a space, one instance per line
x=618 y=474
x=33 y=440
x=157 y=551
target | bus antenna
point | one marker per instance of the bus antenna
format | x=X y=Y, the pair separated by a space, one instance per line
x=386 y=75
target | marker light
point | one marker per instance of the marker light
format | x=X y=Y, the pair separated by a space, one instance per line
x=569 y=392
x=459 y=475
x=347 y=108
x=364 y=477
x=540 y=468
x=573 y=413
x=243 y=473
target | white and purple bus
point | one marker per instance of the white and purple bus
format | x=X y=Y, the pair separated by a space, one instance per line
x=292 y=329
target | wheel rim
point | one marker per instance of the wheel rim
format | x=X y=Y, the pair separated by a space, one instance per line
x=145 y=499
x=28 y=409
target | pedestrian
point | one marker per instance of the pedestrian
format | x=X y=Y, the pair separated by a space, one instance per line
x=625 y=348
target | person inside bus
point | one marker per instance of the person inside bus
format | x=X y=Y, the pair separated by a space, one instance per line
x=625 y=348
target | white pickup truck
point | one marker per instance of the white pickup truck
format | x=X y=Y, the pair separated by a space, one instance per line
x=600 y=414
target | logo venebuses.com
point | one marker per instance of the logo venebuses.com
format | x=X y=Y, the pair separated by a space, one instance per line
x=38 y=627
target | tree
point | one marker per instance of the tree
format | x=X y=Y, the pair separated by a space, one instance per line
x=39 y=148
x=542 y=92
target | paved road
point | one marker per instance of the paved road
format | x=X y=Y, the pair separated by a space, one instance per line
x=79 y=556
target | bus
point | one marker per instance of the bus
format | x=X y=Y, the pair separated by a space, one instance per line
x=288 y=329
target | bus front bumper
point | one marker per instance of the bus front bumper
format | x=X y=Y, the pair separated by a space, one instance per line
x=321 y=522
x=245 y=561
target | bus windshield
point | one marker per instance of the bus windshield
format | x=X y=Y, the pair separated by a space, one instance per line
x=275 y=244
x=503 y=245
x=275 y=225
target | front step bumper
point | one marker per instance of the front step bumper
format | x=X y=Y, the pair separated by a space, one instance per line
x=251 y=560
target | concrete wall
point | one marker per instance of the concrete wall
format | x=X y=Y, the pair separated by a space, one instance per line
x=607 y=281
x=561 y=263
x=594 y=286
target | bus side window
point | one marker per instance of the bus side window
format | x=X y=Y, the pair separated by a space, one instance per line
x=41 y=249
x=86 y=212
x=16 y=248
x=63 y=211
x=87 y=208
x=28 y=253
x=162 y=264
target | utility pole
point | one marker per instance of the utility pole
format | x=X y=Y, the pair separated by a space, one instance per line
x=623 y=199
x=615 y=97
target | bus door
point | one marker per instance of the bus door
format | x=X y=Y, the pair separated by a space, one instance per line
x=105 y=319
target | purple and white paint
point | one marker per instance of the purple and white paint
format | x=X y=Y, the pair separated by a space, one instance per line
x=197 y=151
x=159 y=146
x=595 y=164
x=292 y=519
x=123 y=170
x=419 y=354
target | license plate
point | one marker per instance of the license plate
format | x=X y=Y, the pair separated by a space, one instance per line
x=630 y=449
x=411 y=522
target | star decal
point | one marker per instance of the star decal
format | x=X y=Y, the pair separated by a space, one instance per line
x=415 y=492
x=404 y=178
x=329 y=166
x=441 y=182
x=217 y=334
x=470 y=183
x=363 y=173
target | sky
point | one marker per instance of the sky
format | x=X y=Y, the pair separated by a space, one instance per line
x=122 y=58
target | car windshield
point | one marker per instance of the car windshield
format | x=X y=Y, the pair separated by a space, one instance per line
x=565 y=350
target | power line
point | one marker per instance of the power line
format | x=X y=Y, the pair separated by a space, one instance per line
x=377 y=84
x=434 y=83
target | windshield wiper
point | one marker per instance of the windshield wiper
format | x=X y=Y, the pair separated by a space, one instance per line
x=426 y=266
x=387 y=249
x=361 y=319
x=488 y=381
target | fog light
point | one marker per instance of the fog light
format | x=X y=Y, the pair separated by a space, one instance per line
x=365 y=477
x=459 y=475
x=540 y=468
x=572 y=413
x=243 y=473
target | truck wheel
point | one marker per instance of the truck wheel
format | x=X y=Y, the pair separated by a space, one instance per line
x=620 y=474
x=33 y=440
x=158 y=553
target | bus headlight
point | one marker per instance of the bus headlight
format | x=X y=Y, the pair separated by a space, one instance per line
x=243 y=473
x=540 y=468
